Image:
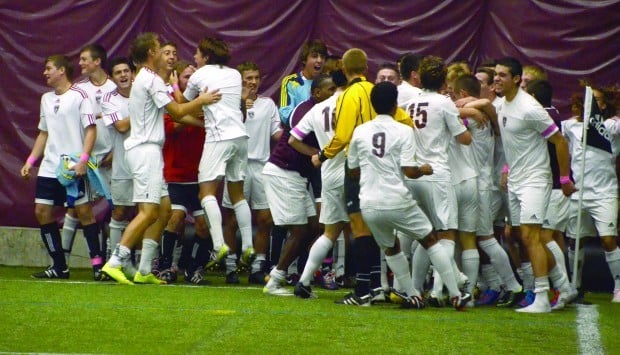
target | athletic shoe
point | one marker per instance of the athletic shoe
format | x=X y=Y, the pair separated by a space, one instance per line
x=529 y=298
x=378 y=295
x=217 y=256
x=562 y=299
x=328 y=281
x=117 y=274
x=303 y=291
x=510 y=298
x=396 y=297
x=247 y=257
x=460 y=302
x=149 y=278
x=292 y=279
x=276 y=290
x=488 y=298
x=409 y=302
x=98 y=275
x=345 y=281
x=51 y=273
x=434 y=300
x=353 y=300
x=616 y=298
x=536 y=308
x=556 y=296
x=232 y=278
x=463 y=281
x=197 y=278
x=168 y=275
x=257 y=278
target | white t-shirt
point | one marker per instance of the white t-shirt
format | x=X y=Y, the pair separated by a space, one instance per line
x=103 y=144
x=406 y=92
x=600 y=180
x=320 y=120
x=146 y=109
x=380 y=148
x=262 y=121
x=64 y=118
x=223 y=119
x=115 y=107
x=525 y=125
x=437 y=122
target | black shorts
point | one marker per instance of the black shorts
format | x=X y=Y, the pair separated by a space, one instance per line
x=50 y=192
x=184 y=197
x=351 y=191
x=315 y=181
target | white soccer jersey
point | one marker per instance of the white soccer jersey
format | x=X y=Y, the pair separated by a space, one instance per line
x=64 y=117
x=525 y=125
x=103 y=144
x=407 y=92
x=146 y=109
x=461 y=161
x=482 y=146
x=380 y=148
x=115 y=107
x=600 y=179
x=262 y=121
x=223 y=119
x=320 y=120
x=437 y=122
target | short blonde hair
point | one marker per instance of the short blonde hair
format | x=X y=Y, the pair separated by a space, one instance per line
x=535 y=71
x=355 y=61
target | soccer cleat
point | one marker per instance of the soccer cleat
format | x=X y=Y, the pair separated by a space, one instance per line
x=463 y=282
x=378 y=295
x=413 y=302
x=528 y=299
x=232 y=278
x=51 y=273
x=149 y=278
x=247 y=257
x=197 y=278
x=276 y=290
x=168 y=275
x=303 y=291
x=396 y=297
x=292 y=279
x=257 y=278
x=116 y=273
x=353 y=300
x=346 y=281
x=98 y=275
x=536 y=308
x=616 y=298
x=217 y=256
x=510 y=298
x=328 y=281
x=563 y=299
x=434 y=300
x=460 y=302
x=488 y=298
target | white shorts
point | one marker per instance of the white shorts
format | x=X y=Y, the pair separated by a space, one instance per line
x=224 y=159
x=485 y=219
x=438 y=201
x=333 y=206
x=557 y=214
x=146 y=164
x=500 y=211
x=288 y=196
x=528 y=204
x=468 y=205
x=410 y=220
x=253 y=187
x=122 y=192
x=106 y=178
x=602 y=214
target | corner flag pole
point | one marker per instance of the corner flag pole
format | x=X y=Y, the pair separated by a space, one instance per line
x=587 y=107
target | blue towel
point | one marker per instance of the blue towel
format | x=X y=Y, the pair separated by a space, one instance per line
x=67 y=178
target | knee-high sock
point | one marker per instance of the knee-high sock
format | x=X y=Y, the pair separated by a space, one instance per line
x=116 y=231
x=168 y=242
x=362 y=251
x=244 y=220
x=491 y=277
x=51 y=238
x=501 y=263
x=400 y=267
x=470 y=261
x=214 y=217
x=278 y=236
x=528 y=276
x=375 y=264
x=441 y=261
x=91 y=233
x=69 y=228
x=420 y=262
x=385 y=284
x=319 y=250
x=149 y=252
x=339 y=257
x=558 y=255
x=613 y=261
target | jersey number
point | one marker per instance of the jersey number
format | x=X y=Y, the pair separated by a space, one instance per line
x=419 y=115
x=378 y=142
x=328 y=119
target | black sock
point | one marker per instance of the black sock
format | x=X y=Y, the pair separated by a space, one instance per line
x=278 y=235
x=201 y=253
x=361 y=251
x=50 y=234
x=374 y=260
x=168 y=241
x=91 y=233
x=186 y=252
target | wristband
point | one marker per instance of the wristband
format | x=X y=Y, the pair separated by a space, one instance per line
x=564 y=180
x=176 y=87
x=505 y=169
x=465 y=122
x=31 y=160
x=322 y=157
x=84 y=157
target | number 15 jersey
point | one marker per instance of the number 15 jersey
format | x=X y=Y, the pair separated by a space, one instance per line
x=437 y=122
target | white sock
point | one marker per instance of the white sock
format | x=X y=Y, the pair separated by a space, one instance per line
x=214 y=217
x=442 y=264
x=558 y=255
x=420 y=263
x=317 y=254
x=559 y=279
x=541 y=288
x=150 y=251
x=339 y=255
x=258 y=262
x=470 y=261
x=501 y=263
x=68 y=235
x=613 y=261
x=119 y=256
x=116 y=231
x=385 y=285
x=491 y=277
x=400 y=267
x=406 y=244
x=449 y=247
x=528 y=276
x=176 y=253
x=244 y=220
x=276 y=277
x=231 y=263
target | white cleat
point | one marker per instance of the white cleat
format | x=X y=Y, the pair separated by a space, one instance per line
x=276 y=290
x=545 y=307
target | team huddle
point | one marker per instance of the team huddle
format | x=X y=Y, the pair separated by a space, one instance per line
x=421 y=174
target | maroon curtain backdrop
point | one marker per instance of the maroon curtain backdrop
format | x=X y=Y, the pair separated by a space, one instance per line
x=570 y=39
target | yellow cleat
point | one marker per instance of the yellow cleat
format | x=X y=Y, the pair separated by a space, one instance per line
x=217 y=256
x=147 y=279
x=116 y=273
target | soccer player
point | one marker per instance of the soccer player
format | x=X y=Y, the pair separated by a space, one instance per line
x=66 y=126
x=115 y=111
x=295 y=87
x=524 y=126
x=352 y=109
x=600 y=183
x=388 y=72
x=263 y=126
x=381 y=151
x=147 y=100
x=410 y=83
x=532 y=72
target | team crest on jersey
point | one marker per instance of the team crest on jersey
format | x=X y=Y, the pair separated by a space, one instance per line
x=504 y=121
x=250 y=114
x=98 y=97
x=56 y=105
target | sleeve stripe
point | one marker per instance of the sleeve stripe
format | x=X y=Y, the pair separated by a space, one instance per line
x=297 y=133
x=550 y=131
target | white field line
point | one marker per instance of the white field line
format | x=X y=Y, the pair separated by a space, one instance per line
x=587 y=330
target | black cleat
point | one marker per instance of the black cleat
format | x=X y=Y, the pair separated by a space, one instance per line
x=460 y=302
x=232 y=278
x=257 y=278
x=353 y=300
x=510 y=299
x=52 y=273
x=303 y=291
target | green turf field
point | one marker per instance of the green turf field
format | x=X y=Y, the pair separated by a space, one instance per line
x=82 y=316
